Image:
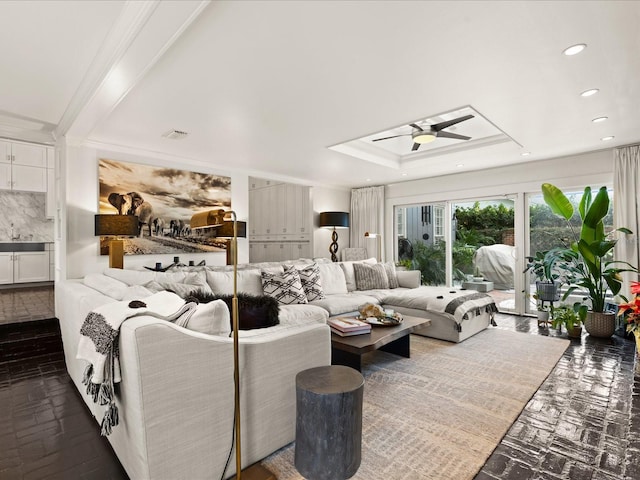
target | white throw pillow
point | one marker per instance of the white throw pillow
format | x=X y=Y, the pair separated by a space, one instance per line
x=249 y=281
x=332 y=278
x=212 y=318
x=141 y=277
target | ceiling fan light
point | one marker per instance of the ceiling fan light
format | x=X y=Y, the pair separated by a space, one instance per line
x=423 y=137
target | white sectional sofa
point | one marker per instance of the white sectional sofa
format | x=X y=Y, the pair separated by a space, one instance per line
x=175 y=399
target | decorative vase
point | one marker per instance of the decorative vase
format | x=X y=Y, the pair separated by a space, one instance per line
x=574 y=331
x=600 y=324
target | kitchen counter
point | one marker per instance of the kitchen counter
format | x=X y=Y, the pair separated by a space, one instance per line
x=23 y=246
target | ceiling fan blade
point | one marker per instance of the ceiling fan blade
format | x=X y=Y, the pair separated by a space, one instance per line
x=417 y=127
x=387 y=138
x=415 y=147
x=452 y=135
x=442 y=125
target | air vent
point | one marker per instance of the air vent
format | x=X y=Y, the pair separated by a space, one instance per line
x=175 y=134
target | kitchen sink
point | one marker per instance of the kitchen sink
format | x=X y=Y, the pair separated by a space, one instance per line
x=22 y=247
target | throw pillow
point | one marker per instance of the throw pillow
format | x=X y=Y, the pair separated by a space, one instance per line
x=349 y=273
x=390 y=268
x=370 y=277
x=212 y=318
x=249 y=281
x=310 y=279
x=286 y=288
x=332 y=278
x=253 y=311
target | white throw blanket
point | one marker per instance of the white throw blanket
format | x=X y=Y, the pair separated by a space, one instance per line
x=98 y=343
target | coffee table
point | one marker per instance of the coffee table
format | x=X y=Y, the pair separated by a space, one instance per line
x=349 y=350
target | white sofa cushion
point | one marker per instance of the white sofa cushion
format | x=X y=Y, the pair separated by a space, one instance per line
x=106 y=285
x=349 y=273
x=332 y=278
x=344 y=303
x=140 y=277
x=303 y=314
x=212 y=318
x=249 y=281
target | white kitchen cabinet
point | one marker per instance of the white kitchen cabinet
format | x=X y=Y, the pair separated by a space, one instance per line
x=6 y=267
x=23 y=167
x=31 y=267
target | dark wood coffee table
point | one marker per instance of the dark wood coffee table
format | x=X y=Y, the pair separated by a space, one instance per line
x=349 y=350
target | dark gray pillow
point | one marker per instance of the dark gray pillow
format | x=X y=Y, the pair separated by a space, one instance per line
x=390 y=268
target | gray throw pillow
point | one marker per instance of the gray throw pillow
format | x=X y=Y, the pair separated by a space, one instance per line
x=390 y=268
x=370 y=277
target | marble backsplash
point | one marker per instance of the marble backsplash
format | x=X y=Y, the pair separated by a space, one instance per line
x=26 y=211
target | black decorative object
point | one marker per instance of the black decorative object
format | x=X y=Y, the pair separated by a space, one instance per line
x=254 y=311
x=334 y=220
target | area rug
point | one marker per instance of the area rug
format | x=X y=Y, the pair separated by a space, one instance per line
x=439 y=414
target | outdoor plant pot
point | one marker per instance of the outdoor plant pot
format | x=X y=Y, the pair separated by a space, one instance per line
x=599 y=324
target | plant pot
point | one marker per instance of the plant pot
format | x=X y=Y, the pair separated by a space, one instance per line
x=574 y=331
x=547 y=291
x=543 y=319
x=599 y=324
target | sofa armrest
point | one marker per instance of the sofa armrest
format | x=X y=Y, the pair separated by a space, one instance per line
x=408 y=278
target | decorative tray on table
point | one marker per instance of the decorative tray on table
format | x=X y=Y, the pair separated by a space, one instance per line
x=386 y=321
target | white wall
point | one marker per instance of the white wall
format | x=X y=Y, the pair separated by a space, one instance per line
x=80 y=248
x=329 y=200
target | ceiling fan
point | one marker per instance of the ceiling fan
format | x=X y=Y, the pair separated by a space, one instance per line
x=421 y=135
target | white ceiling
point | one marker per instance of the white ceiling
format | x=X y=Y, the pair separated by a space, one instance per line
x=268 y=86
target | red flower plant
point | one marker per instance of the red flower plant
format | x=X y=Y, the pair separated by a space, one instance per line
x=633 y=307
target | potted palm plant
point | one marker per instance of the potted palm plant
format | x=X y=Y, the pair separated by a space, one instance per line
x=591 y=266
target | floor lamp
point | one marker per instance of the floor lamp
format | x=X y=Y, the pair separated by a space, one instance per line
x=116 y=226
x=334 y=220
x=220 y=228
x=378 y=237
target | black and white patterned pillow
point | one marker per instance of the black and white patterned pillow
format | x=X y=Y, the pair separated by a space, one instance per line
x=370 y=277
x=310 y=279
x=285 y=287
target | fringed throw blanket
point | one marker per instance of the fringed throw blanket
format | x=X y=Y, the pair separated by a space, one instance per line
x=459 y=305
x=99 y=344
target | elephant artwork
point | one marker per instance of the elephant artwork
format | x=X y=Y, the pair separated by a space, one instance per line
x=164 y=199
x=132 y=203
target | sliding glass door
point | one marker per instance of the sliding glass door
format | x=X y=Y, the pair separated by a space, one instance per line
x=468 y=244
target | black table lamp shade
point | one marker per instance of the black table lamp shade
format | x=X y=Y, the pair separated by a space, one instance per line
x=334 y=220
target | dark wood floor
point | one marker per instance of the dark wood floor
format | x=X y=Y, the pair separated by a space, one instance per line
x=583 y=423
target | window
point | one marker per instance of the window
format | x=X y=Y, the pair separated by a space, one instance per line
x=438 y=223
x=401 y=223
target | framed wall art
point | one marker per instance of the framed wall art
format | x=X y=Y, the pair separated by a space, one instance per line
x=164 y=199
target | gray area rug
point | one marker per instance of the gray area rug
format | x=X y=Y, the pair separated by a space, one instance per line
x=439 y=414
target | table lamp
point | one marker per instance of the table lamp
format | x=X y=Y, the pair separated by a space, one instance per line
x=116 y=226
x=334 y=220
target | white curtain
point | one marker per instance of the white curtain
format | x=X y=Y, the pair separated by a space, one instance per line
x=626 y=185
x=367 y=215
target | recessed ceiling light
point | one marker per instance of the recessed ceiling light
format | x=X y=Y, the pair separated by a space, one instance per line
x=460 y=165
x=606 y=139
x=574 y=49
x=368 y=179
x=599 y=119
x=404 y=174
x=525 y=154
x=588 y=93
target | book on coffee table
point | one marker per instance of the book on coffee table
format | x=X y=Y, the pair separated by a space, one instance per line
x=351 y=332
x=348 y=326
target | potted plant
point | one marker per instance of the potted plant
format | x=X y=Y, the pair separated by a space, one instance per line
x=631 y=313
x=542 y=312
x=571 y=318
x=590 y=266
x=546 y=267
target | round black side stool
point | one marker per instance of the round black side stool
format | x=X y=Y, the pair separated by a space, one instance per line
x=328 y=422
